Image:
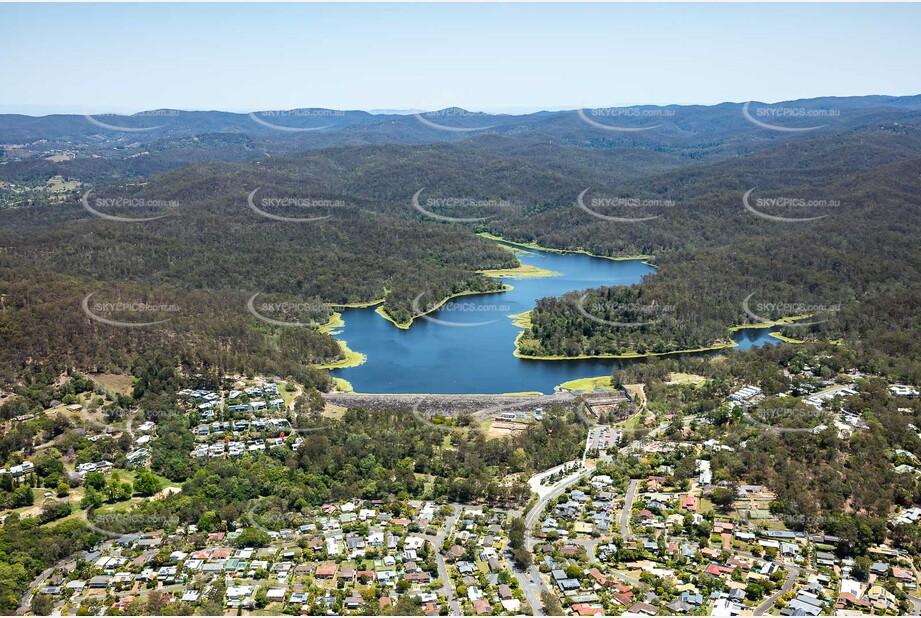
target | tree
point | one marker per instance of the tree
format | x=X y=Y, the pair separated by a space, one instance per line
x=252 y=537
x=551 y=604
x=91 y=499
x=407 y=606
x=42 y=605
x=146 y=484
x=522 y=557
x=516 y=533
x=754 y=591
x=861 y=569
x=723 y=497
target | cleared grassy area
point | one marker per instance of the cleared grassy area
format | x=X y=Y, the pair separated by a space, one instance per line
x=115 y=382
x=343 y=386
x=521 y=320
x=784 y=338
x=587 y=384
x=634 y=422
x=289 y=396
x=686 y=378
x=637 y=392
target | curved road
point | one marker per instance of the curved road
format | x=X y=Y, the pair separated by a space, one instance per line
x=792 y=574
x=437 y=541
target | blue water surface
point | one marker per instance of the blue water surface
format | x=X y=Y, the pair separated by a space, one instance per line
x=443 y=357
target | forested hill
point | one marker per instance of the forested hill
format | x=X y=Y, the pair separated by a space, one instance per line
x=219 y=243
x=855 y=262
x=104 y=147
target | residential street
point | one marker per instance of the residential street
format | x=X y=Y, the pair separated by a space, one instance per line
x=530 y=582
x=437 y=541
x=625 y=513
x=792 y=574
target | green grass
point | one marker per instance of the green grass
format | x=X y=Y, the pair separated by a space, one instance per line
x=686 y=378
x=784 y=338
x=587 y=384
x=350 y=358
x=521 y=320
x=343 y=386
x=335 y=321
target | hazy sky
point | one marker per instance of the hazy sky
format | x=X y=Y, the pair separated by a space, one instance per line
x=509 y=57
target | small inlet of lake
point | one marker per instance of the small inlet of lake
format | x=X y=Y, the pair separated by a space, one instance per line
x=442 y=356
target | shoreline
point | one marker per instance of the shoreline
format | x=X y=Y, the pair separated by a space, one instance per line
x=405 y=325
x=625 y=356
x=523 y=321
x=779 y=335
x=350 y=358
x=524 y=271
x=535 y=246
x=359 y=305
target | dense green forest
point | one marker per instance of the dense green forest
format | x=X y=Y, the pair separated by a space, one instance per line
x=853 y=271
x=211 y=251
x=370 y=455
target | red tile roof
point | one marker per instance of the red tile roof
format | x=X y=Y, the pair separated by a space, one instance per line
x=584 y=609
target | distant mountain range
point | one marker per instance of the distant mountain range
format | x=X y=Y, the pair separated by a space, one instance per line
x=117 y=146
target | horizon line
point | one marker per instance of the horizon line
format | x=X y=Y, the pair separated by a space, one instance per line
x=75 y=110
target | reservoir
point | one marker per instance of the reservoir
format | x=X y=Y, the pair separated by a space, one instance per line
x=444 y=357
